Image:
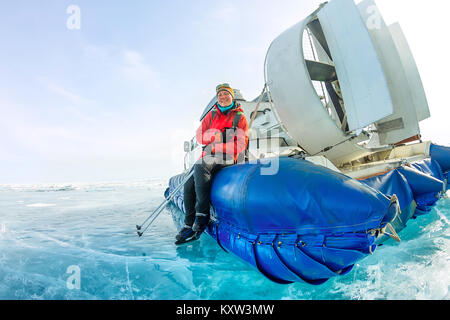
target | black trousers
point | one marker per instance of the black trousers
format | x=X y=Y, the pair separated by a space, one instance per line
x=197 y=189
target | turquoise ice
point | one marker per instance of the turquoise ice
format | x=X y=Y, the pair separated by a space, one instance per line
x=78 y=241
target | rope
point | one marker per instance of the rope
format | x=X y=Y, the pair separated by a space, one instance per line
x=388 y=226
x=257 y=106
x=331 y=147
x=394 y=199
x=393 y=234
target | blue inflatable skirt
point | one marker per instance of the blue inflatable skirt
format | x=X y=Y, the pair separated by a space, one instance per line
x=418 y=186
x=304 y=222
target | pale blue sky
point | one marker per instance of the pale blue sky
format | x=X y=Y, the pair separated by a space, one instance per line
x=117 y=98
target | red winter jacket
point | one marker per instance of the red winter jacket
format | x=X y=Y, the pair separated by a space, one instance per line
x=210 y=132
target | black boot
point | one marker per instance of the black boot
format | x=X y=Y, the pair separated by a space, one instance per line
x=186 y=235
x=201 y=222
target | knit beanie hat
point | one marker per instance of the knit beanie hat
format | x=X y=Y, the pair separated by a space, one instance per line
x=225 y=87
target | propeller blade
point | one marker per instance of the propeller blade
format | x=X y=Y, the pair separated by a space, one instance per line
x=316 y=29
x=320 y=71
x=336 y=103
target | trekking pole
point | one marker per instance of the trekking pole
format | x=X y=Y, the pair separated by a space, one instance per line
x=159 y=209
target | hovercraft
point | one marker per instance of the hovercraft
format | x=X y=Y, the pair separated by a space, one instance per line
x=336 y=161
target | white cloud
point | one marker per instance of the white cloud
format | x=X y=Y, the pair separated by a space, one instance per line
x=135 y=68
x=69 y=95
x=124 y=65
x=226 y=12
x=63 y=92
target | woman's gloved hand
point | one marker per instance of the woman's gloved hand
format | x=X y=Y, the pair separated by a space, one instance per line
x=209 y=149
x=212 y=135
